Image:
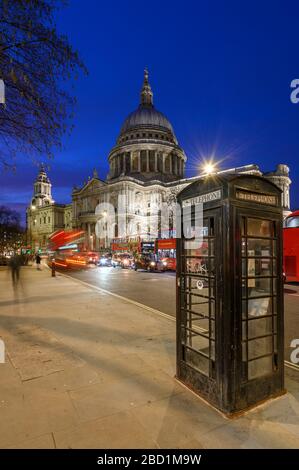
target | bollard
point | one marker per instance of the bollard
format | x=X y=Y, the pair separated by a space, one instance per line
x=53 y=269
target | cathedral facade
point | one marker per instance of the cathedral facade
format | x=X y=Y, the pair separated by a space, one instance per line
x=43 y=215
x=146 y=168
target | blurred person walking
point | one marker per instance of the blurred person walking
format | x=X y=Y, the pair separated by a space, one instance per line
x=15 y=267
x=38 y=261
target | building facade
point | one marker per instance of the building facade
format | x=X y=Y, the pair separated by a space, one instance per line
x=44 y=216
x=146 y=168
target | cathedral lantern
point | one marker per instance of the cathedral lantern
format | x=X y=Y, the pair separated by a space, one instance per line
x=230 y=293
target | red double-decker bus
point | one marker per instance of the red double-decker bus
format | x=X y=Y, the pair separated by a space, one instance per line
x=291 y=247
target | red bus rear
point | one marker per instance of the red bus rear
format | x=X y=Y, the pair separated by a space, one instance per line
x=291 y=247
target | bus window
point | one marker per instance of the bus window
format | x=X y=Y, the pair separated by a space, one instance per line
x=292 y=222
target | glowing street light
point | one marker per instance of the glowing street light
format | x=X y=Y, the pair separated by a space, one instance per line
x=209 y=167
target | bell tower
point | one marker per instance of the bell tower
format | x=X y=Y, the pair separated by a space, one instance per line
x=42 y=190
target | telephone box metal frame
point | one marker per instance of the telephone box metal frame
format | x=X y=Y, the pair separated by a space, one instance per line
x=230 y=313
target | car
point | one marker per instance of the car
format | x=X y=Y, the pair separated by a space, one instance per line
x=93 y=257
x=169 y=264
x=124 y=260
x=148 y=263
x=115 y=261
x=127 y=262
x=105 y=260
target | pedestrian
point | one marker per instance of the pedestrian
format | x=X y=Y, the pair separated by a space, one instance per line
x=15 y=266
x=38 y=261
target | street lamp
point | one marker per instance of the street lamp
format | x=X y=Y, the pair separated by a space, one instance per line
x=209 y=167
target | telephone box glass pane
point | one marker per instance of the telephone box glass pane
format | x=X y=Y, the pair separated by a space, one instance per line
x=259 y=227
x=259 y=367
x=261 y=346
x=259 y=247
x=198 y=290
x=259 y=278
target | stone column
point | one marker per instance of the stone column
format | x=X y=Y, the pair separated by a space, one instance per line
x=139 y=160
x=163 y=162
x=156 y=161
x=175 y=169
x=131 y=160
x=147 y=161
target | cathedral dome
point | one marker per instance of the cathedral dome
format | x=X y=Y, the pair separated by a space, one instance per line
x=147 y=148
x=145 y=117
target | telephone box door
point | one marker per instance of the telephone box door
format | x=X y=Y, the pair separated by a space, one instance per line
x=199 y=298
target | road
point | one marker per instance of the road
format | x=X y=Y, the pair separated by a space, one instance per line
x=157 y=290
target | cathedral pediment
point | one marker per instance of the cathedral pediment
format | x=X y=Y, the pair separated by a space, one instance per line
x=91 y=186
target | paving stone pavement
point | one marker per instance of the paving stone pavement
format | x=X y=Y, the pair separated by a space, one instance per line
x=86 y=370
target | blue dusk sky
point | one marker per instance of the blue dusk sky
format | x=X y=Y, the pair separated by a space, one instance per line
x=220 y=71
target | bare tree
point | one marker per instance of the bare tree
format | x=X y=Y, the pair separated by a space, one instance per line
x=34 y=61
